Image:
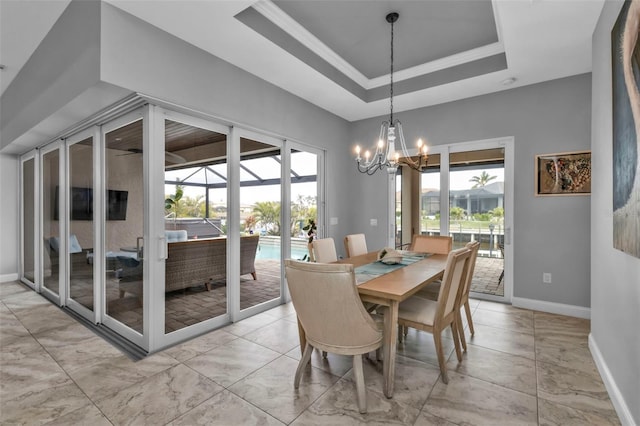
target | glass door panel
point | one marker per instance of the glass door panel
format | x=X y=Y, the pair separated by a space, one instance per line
x=80 y=192
x=260 y=208
x=430 y=197
x=304 y=201
x=195 y=188
x=28 y=221
x=124 y=224
x=52 y=257
x=476 y=211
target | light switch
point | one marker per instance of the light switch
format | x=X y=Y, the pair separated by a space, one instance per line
x=333 y=221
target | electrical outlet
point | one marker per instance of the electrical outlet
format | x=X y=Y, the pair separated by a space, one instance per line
x=546 y=277
x=373 y=222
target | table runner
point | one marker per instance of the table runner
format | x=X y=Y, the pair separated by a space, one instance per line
x=373 y=270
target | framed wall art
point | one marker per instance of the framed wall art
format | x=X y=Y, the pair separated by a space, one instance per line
x=564 y=173
x=625 y=62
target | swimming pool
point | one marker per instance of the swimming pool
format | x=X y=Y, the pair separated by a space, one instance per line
x=267 y=251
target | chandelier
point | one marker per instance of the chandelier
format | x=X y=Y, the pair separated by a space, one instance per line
x=385 y=154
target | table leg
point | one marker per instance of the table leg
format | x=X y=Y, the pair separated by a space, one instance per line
x=303 y=337
x=390 y=346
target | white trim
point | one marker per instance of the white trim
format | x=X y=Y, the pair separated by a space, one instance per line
x=438 y=64
x=552 y=307
x=5 y=278
x=289 y=25
x=286 y=23
x=622 y=409
x=233 y=223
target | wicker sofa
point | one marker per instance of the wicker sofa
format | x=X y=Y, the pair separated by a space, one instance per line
x=197 y=262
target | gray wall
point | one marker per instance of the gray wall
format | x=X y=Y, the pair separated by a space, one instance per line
x=63 y=66
x=615 y=276
x=551 y=234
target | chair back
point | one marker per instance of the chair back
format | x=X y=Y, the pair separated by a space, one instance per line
x=437 y=244
x=355 y=245
x=454 y=275
x=474 y=246
x=324 y=250
x=326 y=300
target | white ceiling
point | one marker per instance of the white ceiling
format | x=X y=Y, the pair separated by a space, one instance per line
x=541 y=39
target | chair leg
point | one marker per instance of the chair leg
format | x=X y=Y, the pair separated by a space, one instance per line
x=437 y=339
x=306 y=356
x=456 y=339
x=400 y=334
x=463 y=339
x=324 y=354
x=467 y=310
x=360 y=389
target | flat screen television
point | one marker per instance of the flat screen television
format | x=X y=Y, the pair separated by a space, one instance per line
x=82 y=204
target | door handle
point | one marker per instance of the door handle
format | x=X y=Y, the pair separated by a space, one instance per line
x=163 y=248
x=139 y=247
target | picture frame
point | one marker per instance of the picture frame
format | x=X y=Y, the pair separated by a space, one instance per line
x=563 y=173
x=625 y=81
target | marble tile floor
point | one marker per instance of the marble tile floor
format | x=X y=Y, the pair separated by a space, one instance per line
x=522 y=368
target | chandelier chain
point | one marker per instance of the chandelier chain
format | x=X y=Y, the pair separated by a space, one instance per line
x=391 y=85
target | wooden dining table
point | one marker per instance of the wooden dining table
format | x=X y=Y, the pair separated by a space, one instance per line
x=389 y=290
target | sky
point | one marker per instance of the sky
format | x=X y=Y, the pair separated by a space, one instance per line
x=251 y=195
x=460 y=179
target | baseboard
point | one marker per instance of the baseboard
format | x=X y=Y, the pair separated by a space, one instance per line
x=552 y=307
x=614 y=393
x=8 y=277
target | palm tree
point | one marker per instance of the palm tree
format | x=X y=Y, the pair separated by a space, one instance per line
x=482 y=180
x=268 y=214
x=173 y=204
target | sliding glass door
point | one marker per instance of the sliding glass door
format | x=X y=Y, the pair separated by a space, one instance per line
x=430 y=190
x=467 y=192
x=477 y=211
x=195 y=225
x=261 y=221
x=161 y=226
x=29 y=230
x=80 y=189
x=305 y=192
x=123 y=215
x=53 y=250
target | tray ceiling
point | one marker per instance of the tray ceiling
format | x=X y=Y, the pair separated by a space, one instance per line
x=335 y=54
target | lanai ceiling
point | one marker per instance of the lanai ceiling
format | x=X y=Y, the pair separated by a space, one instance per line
x=335 y=54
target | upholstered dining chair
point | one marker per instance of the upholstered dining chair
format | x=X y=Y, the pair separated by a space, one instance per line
x=437 y=244
x=432 y=291
x=326 y=300
x=355 y=245
x=434 y=317
x=324 y=250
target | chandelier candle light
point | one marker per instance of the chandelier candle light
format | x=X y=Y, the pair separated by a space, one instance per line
x=385 y=155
